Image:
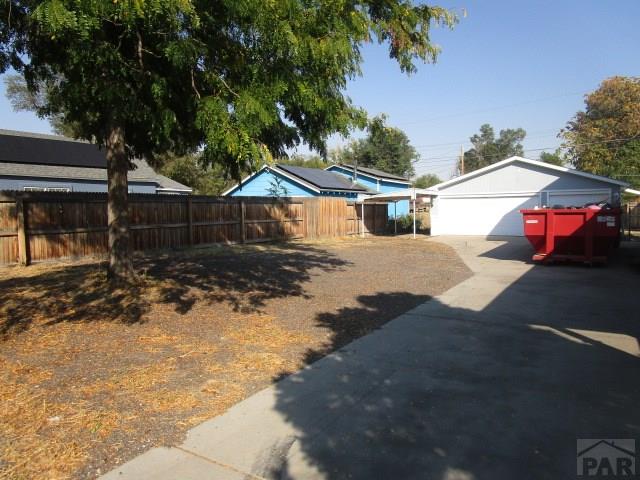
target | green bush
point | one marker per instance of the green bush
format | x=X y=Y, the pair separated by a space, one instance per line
x=405 y=224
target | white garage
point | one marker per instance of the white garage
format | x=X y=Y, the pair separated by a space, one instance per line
x=488 y=201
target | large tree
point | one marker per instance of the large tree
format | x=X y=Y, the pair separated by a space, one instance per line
x=24 y=99
x=189 y=170
x=385 y=148
x=554 y=158
x=605 y=138
x=426 y=181
x=487 y=149
x=241 y=80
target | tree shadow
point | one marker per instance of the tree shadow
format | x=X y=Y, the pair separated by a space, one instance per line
x=243 y=280
x=451 y=393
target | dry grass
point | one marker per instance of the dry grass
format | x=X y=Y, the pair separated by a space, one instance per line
x=39 y=420
x=90 y=377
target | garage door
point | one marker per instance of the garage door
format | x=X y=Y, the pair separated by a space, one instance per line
x=481 y=215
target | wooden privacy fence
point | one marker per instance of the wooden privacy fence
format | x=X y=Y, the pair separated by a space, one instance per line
x=36 y=226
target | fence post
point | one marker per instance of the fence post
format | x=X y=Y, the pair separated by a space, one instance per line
x=243 y=231
x=23 y=244
x=190 y=218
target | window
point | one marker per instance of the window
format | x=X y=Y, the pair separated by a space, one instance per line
x=47 y=189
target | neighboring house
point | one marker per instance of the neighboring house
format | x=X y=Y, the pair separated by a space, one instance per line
x=376 y=181
x=34 y=162
x=292 y=181
x=488 y=201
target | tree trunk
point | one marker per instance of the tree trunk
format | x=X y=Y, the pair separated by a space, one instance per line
x=120 y=268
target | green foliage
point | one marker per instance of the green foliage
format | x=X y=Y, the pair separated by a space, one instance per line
x=487 y=149
x=555 y=158
x=189 y=170
x=244 y=81
x=605 y=138
x=277 y=188
x=405 y=223
x=34 y=100
x=310 y=161
x=385 y=148
x=426 y=181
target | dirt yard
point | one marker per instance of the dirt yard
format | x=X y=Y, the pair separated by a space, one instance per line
x=89 y=378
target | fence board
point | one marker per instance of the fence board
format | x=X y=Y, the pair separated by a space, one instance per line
x=59 y=225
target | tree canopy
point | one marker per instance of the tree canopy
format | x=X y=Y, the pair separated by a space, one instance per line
x=487 y=149
x=554 y=158
x=426 y=181
x=385 y=148
x=605 y=138
x=309 y=161
x=202 y=178
x=239 y=81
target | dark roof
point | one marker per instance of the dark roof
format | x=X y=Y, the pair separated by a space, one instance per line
x=36 y=155
x=375 y=172
x=322 y=179
x=26 y=148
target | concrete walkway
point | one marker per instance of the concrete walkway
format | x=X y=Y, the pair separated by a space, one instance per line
x=495 y=379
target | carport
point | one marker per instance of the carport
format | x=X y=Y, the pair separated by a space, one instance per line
x=411 y=194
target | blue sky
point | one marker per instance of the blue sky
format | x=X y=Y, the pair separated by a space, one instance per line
x=510 y=64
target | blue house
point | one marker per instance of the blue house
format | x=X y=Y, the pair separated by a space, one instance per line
x=292 y=181
x=334 y=181
x=376 y=181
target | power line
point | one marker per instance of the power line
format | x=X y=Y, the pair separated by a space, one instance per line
x=491 y=109
x=467 y=142
x=540 y=149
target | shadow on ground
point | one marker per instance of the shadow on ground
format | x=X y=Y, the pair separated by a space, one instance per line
x=448 y=393
x=245 y=281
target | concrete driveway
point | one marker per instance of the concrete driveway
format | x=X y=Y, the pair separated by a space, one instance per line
x=495 y=379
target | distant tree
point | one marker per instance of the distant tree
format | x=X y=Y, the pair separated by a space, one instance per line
x=23 y=99
x=426 y=181
x=242 y=81
x=277 y=188
x=189 y=170
x=487 y=149
x=555 y=158
x=309 y=161
x=605 y=138
x=385 y=148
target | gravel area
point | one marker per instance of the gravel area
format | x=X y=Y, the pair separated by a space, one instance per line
x=93 y=377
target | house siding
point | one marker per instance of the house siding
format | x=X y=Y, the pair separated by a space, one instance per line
x=380 y=186
x=19 y=183
x=259 y=185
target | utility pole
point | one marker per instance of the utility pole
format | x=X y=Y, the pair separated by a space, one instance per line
x=461 y=160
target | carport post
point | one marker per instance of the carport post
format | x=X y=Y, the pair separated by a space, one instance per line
x=414 y=216
x=395 y=218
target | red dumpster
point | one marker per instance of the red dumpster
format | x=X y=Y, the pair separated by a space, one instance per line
x=574 y=234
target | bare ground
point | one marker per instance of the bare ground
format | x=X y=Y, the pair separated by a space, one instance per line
x=91 y=377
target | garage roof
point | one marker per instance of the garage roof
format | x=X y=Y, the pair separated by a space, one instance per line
x=537 y=163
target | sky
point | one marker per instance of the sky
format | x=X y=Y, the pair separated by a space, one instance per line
x=507 y=63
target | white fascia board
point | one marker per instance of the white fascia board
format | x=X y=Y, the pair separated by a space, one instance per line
x=536 y=163
x=243 y=181
x=275 y=169
x=179 y=190
x=631 y=191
